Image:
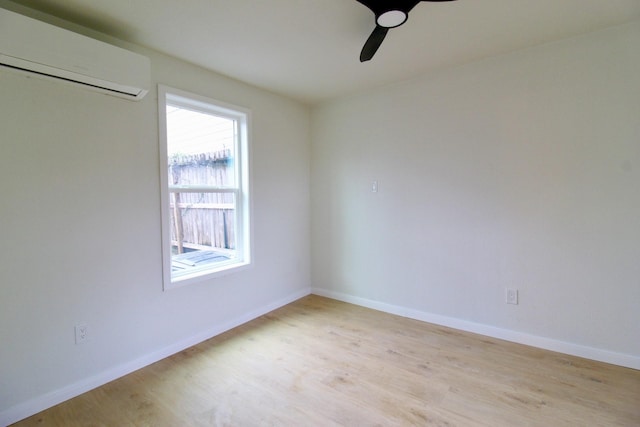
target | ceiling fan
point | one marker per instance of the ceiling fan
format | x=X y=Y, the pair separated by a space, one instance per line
x=389 y=14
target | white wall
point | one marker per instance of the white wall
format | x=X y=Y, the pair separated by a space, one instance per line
x=80 y=226
x=519 y=171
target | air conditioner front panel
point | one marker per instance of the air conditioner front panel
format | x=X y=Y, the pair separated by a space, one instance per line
x=34 y=46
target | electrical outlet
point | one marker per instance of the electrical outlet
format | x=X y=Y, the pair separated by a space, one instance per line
x=512 y=296
x=374 y=186
x=82 y=333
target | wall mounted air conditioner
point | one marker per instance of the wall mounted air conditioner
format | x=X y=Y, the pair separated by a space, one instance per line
x=42 y=49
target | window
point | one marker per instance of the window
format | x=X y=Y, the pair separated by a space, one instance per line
x=205 y=198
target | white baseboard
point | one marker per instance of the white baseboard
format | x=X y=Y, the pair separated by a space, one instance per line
x=40 y=403
x=620 y=359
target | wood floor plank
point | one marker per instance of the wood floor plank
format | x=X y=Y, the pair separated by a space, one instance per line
x=320 y=362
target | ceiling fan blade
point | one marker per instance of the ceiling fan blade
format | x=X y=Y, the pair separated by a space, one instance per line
x=373 y=43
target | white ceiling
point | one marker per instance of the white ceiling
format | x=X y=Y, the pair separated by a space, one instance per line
x=309 y=49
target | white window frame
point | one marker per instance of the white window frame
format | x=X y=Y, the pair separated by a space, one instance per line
x=242 y=117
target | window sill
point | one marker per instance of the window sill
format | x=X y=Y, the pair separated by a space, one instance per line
x=201 y=276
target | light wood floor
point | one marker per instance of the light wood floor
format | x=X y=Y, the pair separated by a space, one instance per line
x=319 y=362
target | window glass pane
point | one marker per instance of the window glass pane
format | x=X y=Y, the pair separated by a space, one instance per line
x=200 y=148
x=203 y=230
